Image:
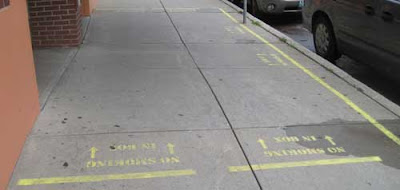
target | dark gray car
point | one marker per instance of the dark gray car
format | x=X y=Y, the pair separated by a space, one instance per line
x=257 y=7
x=365 y=30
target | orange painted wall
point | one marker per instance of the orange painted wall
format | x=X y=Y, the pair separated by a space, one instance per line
x=19 y=104
x=88 y=7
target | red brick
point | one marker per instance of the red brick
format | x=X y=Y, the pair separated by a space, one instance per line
x=32 y=14
x=42 y=3
x=37 y=19
x=74 y=7
x=71 y=36
x=62 y=32
x=61 y=22
x=72 y=11
x=66 y=17
x=48 y=42
x=42 y=33
x=44 y=13
x=54 y=23
x=58 y=2
x=63 y=12
x=55 y=37
x=37 y=9
x=53 y=18
x=67 y=27
x=46 y=23
x=54 y=28
x=52 y=8
x=38 y=28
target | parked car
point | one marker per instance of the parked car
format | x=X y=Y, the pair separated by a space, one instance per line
x=366 y=30
x=272 y=6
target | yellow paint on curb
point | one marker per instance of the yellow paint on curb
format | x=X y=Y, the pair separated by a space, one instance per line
x=368 y=117
x=98 y=178
x=325 y=162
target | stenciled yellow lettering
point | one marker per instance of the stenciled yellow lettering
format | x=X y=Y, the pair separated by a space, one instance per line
x=286 y=139
x=292 y=152
x=119 y=163
x=91 y=164
x=272 y=153
x=309 y=138
x=170 y=160
x=152 y=160
x=335 y=150
x=278 y=139
x=133 y=162
x=100 y=164
x=295 y=152
x=149 y=146
x=126 y=147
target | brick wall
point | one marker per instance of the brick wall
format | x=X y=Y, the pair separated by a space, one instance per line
x=55 y=23
x=4 y=3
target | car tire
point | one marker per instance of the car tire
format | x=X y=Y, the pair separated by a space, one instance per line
x=236 y=2
x=254 y=8
x=324 y=39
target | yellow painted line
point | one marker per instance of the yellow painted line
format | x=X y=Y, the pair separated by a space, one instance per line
x=325 y=162
x=277 y=58
x=350 y=103
x=98 y=178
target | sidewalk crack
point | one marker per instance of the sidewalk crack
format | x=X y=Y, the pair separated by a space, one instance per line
x=214 y=95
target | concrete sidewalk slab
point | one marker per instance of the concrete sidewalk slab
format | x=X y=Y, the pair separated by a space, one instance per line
x=129 y=4
x=135 y=112
x=193 y=10
x=276 y=97
x=202 y=165
x=140 y=56
x=130 y=28
x=193 y=29
x=356 y=95
x=196 y=4
x=295 y=157
x=244 y=56
x=120 y=98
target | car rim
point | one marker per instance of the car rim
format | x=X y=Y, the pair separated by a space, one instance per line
x=322 y=38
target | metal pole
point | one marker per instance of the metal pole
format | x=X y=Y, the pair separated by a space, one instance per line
x=244 y=11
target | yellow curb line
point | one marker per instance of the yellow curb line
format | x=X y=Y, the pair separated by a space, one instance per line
x=98 y=178
x=368 y=117
x=325 y=162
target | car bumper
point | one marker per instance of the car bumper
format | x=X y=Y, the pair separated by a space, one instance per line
x=280 y=6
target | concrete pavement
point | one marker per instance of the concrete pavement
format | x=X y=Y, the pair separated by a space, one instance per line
x=176 y=94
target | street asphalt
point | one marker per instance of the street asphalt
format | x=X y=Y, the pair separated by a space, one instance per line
x=177 y=94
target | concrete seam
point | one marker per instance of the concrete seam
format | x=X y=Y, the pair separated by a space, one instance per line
x=202 y=130
x=70 y=59
x=49 y=90
x=215 y=97
x=130 y=132
x=86 y=33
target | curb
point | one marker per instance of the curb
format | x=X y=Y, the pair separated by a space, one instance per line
x=364 y=89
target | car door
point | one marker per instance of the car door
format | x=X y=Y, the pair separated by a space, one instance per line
x=356 y=20
x=389 y=27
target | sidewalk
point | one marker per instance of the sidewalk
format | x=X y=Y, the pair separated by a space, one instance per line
x=177 y=94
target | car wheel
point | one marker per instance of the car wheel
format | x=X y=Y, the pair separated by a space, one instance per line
x=324 y=39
